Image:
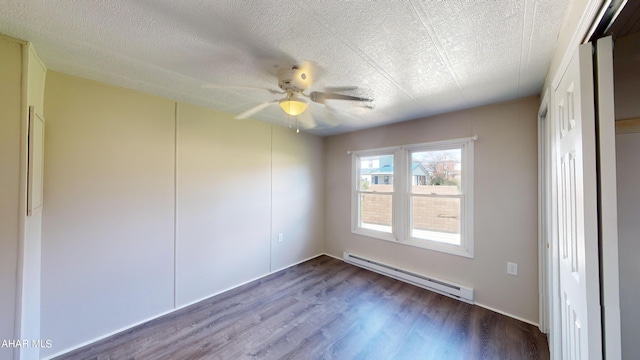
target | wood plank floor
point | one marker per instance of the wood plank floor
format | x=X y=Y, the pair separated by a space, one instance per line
x=325 y=309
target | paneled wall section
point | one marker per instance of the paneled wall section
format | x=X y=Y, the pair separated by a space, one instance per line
x=10 y=110
x=152 y=205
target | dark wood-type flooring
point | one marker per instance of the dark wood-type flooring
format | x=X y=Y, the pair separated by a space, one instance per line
x=325 y=309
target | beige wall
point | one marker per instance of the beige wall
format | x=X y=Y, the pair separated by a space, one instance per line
x=31 y=247
x=297 y=196
x=626 y=80
x=240 y=184
x=107 y=231
x=628 y=173
x=22 y=77
x=626 y=73
x=141 y=191
x=10 y=115
x=505 y=202
x=224 y=181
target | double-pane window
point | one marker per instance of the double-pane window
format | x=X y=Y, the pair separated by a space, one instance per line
x=419 y=195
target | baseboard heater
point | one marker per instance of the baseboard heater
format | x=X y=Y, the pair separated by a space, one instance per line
x=455 y=291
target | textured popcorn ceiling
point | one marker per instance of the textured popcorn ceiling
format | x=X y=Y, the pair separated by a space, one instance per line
x=418 y=58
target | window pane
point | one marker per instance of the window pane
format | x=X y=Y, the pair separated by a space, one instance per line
x=376 y=212
x=436 y=172
x=376 y=173
x=436 y=219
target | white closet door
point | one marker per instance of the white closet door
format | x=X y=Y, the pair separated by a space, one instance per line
x=576 y=183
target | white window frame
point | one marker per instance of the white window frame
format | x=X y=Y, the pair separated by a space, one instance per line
x=401 y=197
x=355 y=198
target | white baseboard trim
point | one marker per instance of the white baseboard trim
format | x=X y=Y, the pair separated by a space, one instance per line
x=509 y=315
x=172 y=310
x=333 y=256
x=294 y=264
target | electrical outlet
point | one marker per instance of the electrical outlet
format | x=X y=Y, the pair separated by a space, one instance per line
x=280 y=237
x=512 y=269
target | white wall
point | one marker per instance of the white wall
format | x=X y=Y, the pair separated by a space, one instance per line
x=10 y=115
x=505 y=204
x=125 y=170
x=626 y=80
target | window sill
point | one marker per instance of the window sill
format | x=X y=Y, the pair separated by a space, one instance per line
x=442 y=247
x=368 y=232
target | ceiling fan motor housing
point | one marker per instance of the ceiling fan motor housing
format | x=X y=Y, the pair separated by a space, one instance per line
x=293 y=79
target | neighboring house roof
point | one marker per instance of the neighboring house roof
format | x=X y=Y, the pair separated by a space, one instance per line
x=416 y=169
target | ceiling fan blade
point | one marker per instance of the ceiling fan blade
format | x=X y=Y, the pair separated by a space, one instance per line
x=217 y=86
x=321 y=97
x=307 y=120
x=340 y=89
x=255 y=109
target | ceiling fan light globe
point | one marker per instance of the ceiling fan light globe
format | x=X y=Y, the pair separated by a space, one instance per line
x=292 y=106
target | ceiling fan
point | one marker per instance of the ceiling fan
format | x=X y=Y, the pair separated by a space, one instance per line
x=293 y=81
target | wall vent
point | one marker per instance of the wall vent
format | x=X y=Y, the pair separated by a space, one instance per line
x=450 y=289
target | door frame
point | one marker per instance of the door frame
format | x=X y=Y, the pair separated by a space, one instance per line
x=544 y=219
x=607 y=199
x=548 y=247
